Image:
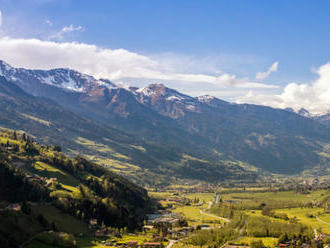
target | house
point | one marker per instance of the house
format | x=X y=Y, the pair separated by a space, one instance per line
x=103 y=233
x=132 y=243
x=147 y=227
x=203 y=227
x=14 y=207
x=93 y=222
x=152 y=244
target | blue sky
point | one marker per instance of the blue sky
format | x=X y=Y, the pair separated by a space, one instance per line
x=235 y=38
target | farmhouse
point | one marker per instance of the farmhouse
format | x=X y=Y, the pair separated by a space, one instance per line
x=103 y=233
x=132 y=243
x=14 y=207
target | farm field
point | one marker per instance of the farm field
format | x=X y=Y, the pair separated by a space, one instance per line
x=278 y=196
x=281 y=199
x=195 y=217
x=46 y=170
x=267 y=241
x=206 y=197
x=302 y=216
x=325 y=218
x=193 y=213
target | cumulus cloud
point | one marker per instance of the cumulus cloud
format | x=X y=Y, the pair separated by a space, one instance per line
x=65 y=30
x=264 y=75
x=117 y=64
x=314 y=96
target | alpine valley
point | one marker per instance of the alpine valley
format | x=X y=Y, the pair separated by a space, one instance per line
x=157 y=135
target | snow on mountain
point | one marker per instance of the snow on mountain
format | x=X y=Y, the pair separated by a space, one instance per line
x=304 y=112
x=205 y=98
x=66 y=79
x=161 y=91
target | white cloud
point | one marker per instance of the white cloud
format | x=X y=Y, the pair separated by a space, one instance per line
x=118 y=64
x=314 y=96
x=137 y=69
x=0 y=18
x=65 y=30
x=264 y=75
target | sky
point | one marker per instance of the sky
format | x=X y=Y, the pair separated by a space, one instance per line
x=273 y=52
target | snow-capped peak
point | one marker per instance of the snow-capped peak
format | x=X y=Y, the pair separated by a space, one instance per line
x=64 y=78
x=304 y=112
x=160 y=90
x=4 y=67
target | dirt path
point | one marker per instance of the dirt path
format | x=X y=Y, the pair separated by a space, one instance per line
x=171 y=243
x=322 y=221
x=215 y=216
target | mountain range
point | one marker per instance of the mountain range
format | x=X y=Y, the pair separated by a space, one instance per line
x=159 y=131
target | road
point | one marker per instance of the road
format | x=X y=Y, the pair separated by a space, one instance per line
x=216 y=200
x=171 y=243
x=215 y=216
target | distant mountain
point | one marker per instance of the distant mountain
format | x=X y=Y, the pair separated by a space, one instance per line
x=324 y=119
x=212 y=131
x=144 y=162
x=304 y=112
x=321 y=118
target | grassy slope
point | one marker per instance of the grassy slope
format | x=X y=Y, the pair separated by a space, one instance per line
x=64 y=222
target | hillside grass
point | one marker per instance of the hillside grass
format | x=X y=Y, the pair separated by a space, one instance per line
x=276 y=196
x=46 y=170
x=18 y=226
x=37 y=119
x=64 y=222
x=302 y=216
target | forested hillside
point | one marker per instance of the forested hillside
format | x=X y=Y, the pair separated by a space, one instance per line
x=35 y=175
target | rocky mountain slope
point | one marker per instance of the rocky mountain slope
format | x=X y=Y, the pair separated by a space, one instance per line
x=143 y=161
x=206 y=128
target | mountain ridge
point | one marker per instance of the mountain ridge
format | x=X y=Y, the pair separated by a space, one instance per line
x=205 y=127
